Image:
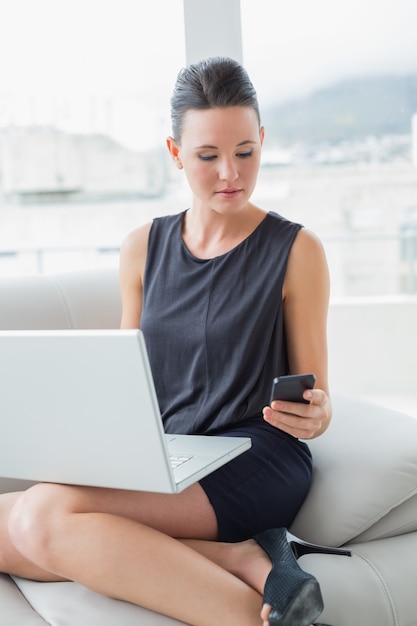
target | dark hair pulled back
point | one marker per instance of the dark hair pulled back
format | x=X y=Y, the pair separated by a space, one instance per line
x=217 y=82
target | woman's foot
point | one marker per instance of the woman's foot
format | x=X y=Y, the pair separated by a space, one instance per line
x=250 y=562
x=293 y=594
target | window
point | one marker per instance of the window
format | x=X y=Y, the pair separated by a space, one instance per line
x=337 y=83
x=84 y=112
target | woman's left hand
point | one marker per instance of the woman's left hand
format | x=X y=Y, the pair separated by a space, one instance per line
x=304 y=421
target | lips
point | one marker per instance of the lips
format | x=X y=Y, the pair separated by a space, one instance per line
x=229 y=192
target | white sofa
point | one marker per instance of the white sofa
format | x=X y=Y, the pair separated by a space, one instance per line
x=364 y=491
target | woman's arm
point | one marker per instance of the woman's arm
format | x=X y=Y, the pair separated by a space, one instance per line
x=305 y=301
x=131 y=272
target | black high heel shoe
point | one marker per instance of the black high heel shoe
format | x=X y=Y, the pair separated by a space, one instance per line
x=300 y=547
x=293 y=594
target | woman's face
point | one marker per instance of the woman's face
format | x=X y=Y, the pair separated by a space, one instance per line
x=220 y=152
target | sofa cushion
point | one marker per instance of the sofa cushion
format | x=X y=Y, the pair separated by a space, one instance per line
x=365 y=468
x=401 y=520
x=15 y=610
x=70 y=604
x=371 y=588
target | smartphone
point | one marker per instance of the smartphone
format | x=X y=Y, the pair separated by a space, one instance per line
x=292 y=387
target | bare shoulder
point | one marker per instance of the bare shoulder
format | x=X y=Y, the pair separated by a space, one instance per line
x=134 y=249
x=307 y=264
x=136 y=242
x=307 y=243
x=132 y=263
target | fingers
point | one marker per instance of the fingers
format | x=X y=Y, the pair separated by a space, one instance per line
x=303 y=421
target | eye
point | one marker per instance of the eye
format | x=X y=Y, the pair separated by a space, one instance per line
x=244 y=155
x=207 y=157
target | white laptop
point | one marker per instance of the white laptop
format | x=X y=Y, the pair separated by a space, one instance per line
x=79 y=407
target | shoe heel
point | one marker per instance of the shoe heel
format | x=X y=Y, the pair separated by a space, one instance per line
x=300 y=547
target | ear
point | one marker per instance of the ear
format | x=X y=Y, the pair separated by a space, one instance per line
x=174 y=151
x=262 y=134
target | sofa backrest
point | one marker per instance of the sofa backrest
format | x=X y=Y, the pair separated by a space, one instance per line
x=372 y=342
x=85 y=299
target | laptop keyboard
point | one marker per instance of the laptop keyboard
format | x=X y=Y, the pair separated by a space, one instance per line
x=178 y=459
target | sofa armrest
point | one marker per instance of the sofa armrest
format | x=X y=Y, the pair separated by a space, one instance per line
x=365 y=469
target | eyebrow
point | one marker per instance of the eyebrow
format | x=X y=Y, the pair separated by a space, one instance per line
x=242 y=143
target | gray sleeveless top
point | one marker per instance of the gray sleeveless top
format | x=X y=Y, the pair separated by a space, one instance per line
x=214 y=328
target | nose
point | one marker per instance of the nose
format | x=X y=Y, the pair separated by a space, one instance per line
x=228 y=169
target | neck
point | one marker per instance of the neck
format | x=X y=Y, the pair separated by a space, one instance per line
x=210 y=234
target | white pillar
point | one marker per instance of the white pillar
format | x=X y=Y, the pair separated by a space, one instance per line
x=212 y=28
x=414 y=139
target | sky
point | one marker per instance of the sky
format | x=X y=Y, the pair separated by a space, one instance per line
x=97 y=46
x=311 y=43
x=129 y=51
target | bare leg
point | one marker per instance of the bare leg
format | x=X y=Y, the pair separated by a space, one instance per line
x=120 y=544
x=12 y=561
x=245 y=559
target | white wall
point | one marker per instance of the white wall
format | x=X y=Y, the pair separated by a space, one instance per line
x=212 y=28
x=373 y=348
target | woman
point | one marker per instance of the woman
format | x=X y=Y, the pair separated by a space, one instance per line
x=228 y=297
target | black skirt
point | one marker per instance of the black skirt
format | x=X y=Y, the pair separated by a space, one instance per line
x=263 y=487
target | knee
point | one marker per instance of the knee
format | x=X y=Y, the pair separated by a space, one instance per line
x=32 y=520
x=7 y=501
